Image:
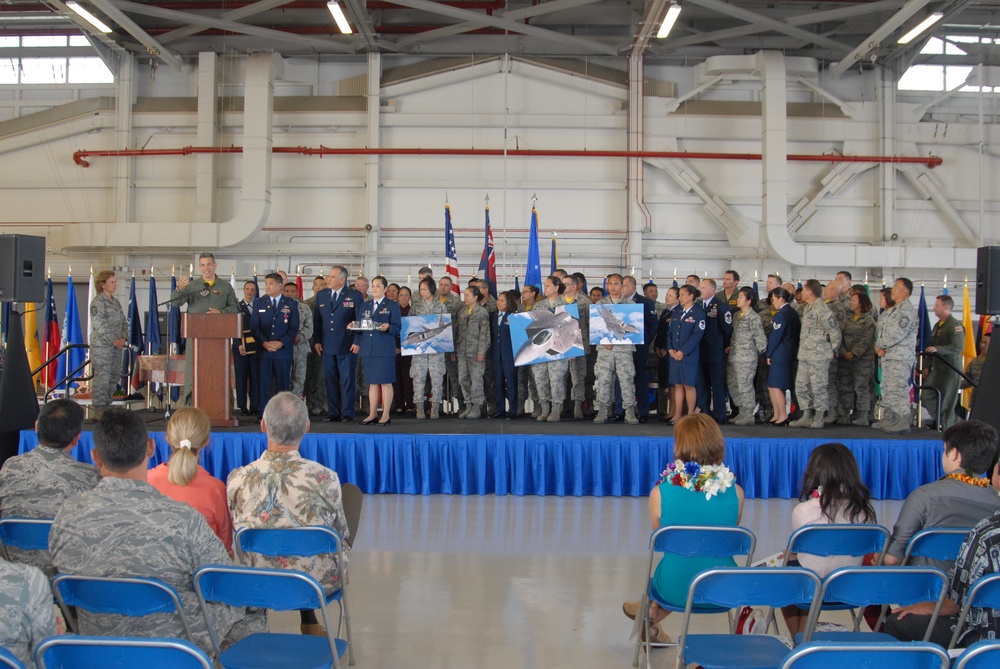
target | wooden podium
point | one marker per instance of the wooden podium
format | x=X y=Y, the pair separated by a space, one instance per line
x=209 y=337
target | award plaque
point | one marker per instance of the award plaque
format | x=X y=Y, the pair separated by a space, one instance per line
x=366 y=322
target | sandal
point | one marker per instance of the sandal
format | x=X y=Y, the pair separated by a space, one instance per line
x=657 y=636
x=630 y=609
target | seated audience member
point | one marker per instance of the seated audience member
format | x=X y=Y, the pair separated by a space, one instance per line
x=832 y=492
x=695 y=489
x=26 y=613
x=283 y=489
x=34 y=485
x=183 y=479
x=125 y=527
x=959 y=499
x=976 y=558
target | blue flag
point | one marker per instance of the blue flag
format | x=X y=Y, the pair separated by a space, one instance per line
x=675 y=284
x=756 y=290
x=136 y=343
x=5 y=322
x=923 y=323
x=554 y=262
x=71 y=334
x=517 y=285
x=152 y=321
x=533 y=277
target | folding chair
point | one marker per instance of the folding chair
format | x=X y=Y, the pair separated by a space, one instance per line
x=898 y=655
x=984 y=594
x=9 y=660
x=861 y=586
x=28 y=534
x=980 y=655
x=108 y=652
x=936 y=543
x=738 y=586
x=277 y=589
x=128 y=596
x=689 y=541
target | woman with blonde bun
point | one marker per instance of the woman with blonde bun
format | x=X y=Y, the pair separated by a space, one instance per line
x=183 y=479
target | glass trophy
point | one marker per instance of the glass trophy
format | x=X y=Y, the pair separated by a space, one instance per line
x=366 y=321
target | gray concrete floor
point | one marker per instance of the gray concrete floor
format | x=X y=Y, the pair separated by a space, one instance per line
x=499 y=582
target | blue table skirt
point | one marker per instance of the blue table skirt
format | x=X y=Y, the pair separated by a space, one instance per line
x=424 y=464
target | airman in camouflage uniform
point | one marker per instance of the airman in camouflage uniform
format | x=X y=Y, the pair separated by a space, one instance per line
x=745 y=347
x=453 y=303
x=550 y=377
x=26 y=613
x=895 y=344
x=428 y=364
x=818 y=339
x=857 y=367
x=578 y=366
x=300 y=350
x=109 y=335
x=615 y=362
x=831 y=295
x=526 y=388
x=125 y=527
x=472 y=343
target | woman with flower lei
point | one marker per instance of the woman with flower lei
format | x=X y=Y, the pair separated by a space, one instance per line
x=694 y=489
x=181 y=478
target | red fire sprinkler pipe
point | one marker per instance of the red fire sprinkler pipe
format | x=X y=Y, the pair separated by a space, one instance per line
x=80 y=157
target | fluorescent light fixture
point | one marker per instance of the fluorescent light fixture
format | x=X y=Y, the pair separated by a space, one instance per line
x=669 y=20
x=339 y=17
x=923 y=25
x=88 y=17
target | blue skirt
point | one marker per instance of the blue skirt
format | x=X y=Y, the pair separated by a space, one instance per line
x=379 y=368
x=683 y=372
x=780 y=374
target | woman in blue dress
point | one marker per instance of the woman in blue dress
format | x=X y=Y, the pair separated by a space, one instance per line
x=378 y=350
x=683 y=348
x=782 y=348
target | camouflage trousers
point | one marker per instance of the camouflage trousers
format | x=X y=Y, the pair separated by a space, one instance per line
x=609 y=366
x=833 y=386
x=470 y=376
x=855 y=380
x=421 y=366
x=578 y=379
x=739 y=379
x=315 y=387
x=550 y=379
x=812 y=384
x=896 y=387
x=947 y=382
x=300 y=356
x=525 y=387
x=106 y=361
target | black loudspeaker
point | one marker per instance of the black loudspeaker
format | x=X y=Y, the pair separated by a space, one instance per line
x=988 y=280
x=22 y=274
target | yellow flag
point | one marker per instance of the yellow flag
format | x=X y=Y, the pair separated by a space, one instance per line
x=31 y=344
x=969 y=352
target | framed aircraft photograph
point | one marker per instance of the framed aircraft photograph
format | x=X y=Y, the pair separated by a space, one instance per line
x=616 y=324
x=544 y=335
x=426 y=334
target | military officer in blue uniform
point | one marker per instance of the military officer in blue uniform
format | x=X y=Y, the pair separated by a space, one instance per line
x=246 y=362
x=718 y=330
x=336 y=308
x=378 y=351
x=685 y=332
x=274 y=323
x=502 y=350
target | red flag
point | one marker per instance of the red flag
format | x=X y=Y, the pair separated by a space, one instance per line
x=298 y=287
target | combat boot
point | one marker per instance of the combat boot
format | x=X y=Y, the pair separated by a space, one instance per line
x=901 y=425
x=861 y=419
x=536 y=409
x=554 y=416
x=831 y=417
x=420 y=411
x=844 y=418
x=578 y=410
x=473 y=413
x=543 y=411
x=435 y=411
x=602 y=414
x=743 y=419
x=630 y=417
x=819 y=421
x=886 y=419
x=805 y=421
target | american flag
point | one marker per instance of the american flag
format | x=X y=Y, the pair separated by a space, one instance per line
x=451 y=255
x=488 y=263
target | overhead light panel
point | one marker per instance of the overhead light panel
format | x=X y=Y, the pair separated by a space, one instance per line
x=339 y=17
x=88 y=17
x=669 y=20
x=924 y=25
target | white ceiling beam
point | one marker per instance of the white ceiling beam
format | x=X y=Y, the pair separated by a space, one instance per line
x=772 y=24
x=656 y=10
x=585 y=45
x=234 y=15
x=875 y=39
x=358 y=15
x=132 y=28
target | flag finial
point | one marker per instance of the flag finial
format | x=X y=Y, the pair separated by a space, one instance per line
x=50 y=272
x=534 y=199
x=151 y=269
x=487 y=199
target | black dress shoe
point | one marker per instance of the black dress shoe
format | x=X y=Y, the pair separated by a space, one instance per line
x=347 y=419
x=245 y=412
x=499 y=415
x=509 y=416
x=385 y=424
x=370 y=421
x=333 y=419
x=643 y=419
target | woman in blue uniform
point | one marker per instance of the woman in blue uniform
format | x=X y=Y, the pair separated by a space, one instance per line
x=683 y=347
x=782 y=348
x=504 y=372
x=378 y=351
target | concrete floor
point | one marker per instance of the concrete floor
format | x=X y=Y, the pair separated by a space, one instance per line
x=499 y=582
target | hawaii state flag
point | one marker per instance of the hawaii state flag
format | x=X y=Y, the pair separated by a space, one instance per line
x=71 y=363
x=450 y=252
x=488 y=263
x=51 y=339
x=31 y=343
x=533 y=277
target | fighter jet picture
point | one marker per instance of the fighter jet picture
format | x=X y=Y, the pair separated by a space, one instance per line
x=424 y=333
x=615 y=325
x=551 y=335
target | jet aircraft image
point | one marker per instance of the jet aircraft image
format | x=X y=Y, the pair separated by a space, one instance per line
x=550 y=333
x=616 y=326
x=423 y=335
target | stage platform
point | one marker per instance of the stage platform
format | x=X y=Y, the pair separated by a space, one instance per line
x=525 y=457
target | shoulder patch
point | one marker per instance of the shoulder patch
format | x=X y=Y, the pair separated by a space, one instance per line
x=729 y=317
x=701 y=325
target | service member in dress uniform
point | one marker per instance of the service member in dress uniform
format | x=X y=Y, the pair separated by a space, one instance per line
x=718 y=330
x=378 y=351
x=275 y=324
x=245 y=361
x=336 y=308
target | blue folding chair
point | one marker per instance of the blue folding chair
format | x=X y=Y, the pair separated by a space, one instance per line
x=9 y=660
x=984 y=594
x=862 y=586
x=936 y=543
x=277 y=589
x=302 y=542
x=28 y=534
x=980 y=655
x=107 y=652
x=128 y=596
x=898 y=655
x=735 y=587
x=689 y=541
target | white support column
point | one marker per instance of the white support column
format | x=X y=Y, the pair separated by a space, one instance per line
x=124 y=202
x=206 y=163
x=886 y=88
x=638 y=217
x=372 y=174
x=774 y=149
